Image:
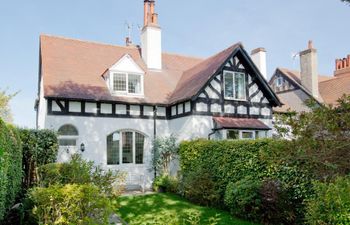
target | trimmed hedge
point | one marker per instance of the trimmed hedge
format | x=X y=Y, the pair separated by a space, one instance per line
x=242 y=162
x=10 y=167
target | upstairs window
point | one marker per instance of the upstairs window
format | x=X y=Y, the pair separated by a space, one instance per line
x=234 y=86
x=127 y=83
x=279 y=82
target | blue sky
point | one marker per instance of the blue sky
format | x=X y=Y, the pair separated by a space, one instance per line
x=196 y=27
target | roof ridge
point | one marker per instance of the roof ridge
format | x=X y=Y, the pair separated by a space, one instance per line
x=84 y=41
x=181 y=55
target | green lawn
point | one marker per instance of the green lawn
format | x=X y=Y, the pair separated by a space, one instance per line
x=169 y=209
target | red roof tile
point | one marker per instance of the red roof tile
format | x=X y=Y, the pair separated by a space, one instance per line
x=239 y=123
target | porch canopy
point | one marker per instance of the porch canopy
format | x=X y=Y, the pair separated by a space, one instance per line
x=239 y=123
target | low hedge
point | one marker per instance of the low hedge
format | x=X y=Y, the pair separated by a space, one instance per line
x=10 y=167
x=241 y=163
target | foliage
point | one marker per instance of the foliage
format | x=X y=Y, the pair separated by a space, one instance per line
x=259 y=160
x=5 y=111
x=166 y=184
x=40 y=147
x=243 y=199
x=199 y=187
x=321 y=139
x=76 y=192
x=162 y=208
x=10 y=167
x=346 y=1
x=80 y=171
x=71 y=204
x=331 y=204
x=165 y=150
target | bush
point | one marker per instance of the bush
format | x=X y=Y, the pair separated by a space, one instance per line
x=40 y=147
x=10 y=167
x=259 y=160
x=243 y=199
x=70 y=204
x=200 y=188
x=331 y=203
x=80 y=171
x=166 y=184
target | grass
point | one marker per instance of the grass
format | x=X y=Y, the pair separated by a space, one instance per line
x=169 y=209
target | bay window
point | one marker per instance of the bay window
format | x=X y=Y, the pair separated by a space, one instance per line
x=125 y=147
x=234 y=85
x=245 y=134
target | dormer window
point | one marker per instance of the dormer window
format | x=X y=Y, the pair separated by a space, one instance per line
x=127 y=83
x=125 y=78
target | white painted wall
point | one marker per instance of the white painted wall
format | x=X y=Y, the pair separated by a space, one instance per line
x=42 y=107
x=151 y=44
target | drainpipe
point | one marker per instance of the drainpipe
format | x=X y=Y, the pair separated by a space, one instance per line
x=154 y=135
x=212 y=133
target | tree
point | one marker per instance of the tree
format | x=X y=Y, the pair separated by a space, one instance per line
x=321 y=138
x=346 y=1
x=165 y=149
x=5 y=111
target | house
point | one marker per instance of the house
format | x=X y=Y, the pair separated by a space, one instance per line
x=109 y=102
x=295 y=87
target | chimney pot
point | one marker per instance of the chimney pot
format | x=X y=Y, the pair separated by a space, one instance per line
x=310 y=45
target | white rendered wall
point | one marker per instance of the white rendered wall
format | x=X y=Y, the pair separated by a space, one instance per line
x=151 y=44
x=93 y=133
x=42 y=107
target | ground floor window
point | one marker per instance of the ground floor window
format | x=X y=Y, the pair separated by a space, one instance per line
x=67 y=136
x=125 y=147
x=245 y=134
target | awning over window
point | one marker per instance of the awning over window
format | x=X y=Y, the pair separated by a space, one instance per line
x=239 y=123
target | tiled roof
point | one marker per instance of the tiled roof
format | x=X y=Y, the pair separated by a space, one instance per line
x=239 y=123
x=330 y=88
x=73 y=68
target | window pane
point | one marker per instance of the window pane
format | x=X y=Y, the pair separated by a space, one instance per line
x=247 y=135
x=68 y=130
x=127 y=147
x=228 y=80
x=134 y=84
x=119 y=82
x=232 y=134
x=67 y=142
x=240 y=86
x=113 y=149
x=139 y=144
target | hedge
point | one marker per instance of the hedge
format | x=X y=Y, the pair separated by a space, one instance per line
x=229 y=163
x=10 y=167
x=40 y=147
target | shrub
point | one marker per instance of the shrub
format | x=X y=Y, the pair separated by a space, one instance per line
x=200 y=188
x=70 y=204
x=40 y=147
x=166 y=184
x=331 y=203
x=243 y=199
x=10 y=167
x=80 y=171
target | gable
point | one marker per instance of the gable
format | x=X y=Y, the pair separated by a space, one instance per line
x=126 y=64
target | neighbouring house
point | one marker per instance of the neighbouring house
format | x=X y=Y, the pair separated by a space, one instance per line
x=109 y=102
x=293 y=88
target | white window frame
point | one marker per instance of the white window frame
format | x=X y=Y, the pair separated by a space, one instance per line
x=133 y=149
x=234 y=87
x=240 y=134
x=279 y=82
x=126 y=92
x=69 y=137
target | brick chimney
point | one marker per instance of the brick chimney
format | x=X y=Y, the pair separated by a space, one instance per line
x=259 y=58
x=309 y=70
x=342 y=66
x=151 y=37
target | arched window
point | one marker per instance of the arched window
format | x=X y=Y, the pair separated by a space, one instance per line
x=68 y=135
x=125 y=147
